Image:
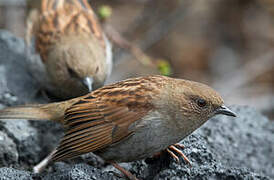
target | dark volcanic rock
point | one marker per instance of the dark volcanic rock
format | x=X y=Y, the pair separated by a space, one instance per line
x=243 y=142
x=16 y=82
x=8 y=151
x=78 y=171
x=13 y=174
x=224 y=148
x=26 y=139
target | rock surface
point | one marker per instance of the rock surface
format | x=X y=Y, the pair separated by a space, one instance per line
x=224 y=148
x=14 y=174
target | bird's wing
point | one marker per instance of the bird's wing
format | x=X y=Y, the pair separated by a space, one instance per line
x=64 y=17
x=98 y=121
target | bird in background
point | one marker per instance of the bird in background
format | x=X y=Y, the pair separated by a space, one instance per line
x=75 y=56
x=128 y=120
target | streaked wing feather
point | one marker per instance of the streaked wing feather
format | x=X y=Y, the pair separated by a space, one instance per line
x=85 y=135
x=79 y=149
x=95 y=123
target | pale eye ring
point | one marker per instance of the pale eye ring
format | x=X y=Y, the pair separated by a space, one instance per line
x=201 y=102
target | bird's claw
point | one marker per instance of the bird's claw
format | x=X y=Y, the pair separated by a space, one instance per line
x=174 y=148
x=124 y=171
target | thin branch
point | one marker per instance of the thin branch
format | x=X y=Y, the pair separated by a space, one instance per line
x=159 y=30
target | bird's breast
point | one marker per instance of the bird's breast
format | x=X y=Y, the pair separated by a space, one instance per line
x=152 y=135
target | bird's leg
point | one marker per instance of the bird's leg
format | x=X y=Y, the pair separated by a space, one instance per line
x=174 y=148
x=173 y=155
x=44 y=163
x=124 y=171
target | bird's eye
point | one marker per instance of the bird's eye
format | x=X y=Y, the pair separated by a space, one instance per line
x=201 y=103
x=71 y=72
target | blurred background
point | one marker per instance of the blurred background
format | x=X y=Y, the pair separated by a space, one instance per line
x=228 y=44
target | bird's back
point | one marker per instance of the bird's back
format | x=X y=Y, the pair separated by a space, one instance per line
x=64 y=17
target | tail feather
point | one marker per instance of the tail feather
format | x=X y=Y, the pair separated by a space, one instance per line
x=52 y=111
x=25 y=112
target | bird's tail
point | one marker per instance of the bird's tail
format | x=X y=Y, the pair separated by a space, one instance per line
x=52 y=111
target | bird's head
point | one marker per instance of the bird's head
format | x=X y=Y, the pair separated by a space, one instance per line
x=205 y=101
x=193 y=102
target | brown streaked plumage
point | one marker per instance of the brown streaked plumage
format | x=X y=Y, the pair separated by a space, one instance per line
x=76 y=55
x=128 y=120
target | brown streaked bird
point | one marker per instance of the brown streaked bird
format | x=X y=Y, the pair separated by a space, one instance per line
x=129 y=120
x=76 y=56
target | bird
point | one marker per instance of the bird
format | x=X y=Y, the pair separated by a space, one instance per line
x=75 y=56
x=129 y=120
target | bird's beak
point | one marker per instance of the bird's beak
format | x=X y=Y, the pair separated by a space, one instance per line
x=224 y=110
x=88 y=81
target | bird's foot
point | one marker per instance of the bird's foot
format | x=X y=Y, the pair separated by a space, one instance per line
x=175 y=149
x=124 y=171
